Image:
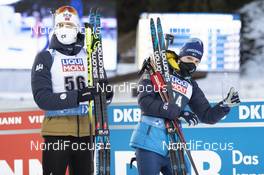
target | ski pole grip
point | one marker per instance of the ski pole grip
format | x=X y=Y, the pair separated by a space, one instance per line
x=169 y=40
x=169 y=37
x=144 y=67
x=86 y=24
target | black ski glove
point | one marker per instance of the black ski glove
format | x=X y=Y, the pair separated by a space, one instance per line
x=189 y=117
x=109 y=96
x=86 y=94
x=105 y=87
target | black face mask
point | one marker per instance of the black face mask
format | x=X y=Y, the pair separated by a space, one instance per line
x=187 y=69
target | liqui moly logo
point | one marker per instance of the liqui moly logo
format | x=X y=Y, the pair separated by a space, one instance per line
x=179 y=85
x=72 y=64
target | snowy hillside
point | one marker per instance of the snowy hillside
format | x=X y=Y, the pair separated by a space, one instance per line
x=252 y=45
x=250 y=80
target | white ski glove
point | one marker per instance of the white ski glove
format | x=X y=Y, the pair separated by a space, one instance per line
x=232 y=99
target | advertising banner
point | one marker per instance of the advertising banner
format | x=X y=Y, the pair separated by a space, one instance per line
x=231 y=147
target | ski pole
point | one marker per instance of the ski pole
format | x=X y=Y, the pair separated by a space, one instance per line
x=188 y=152
x=169 y=40
x=88 y=35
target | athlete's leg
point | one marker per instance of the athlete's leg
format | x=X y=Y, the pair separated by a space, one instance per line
x=166 y=168
x=54 y=161
x=81 y=162
x=148 y=162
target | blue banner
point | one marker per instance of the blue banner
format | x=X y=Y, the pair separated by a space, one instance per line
x=231 y=147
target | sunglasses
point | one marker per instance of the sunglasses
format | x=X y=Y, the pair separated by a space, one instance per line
x=66 y=8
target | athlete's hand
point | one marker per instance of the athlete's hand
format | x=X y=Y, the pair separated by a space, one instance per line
x=189 y=118
x=109 y=96
x=87 y=94
x=232 y=99
x=108 y=90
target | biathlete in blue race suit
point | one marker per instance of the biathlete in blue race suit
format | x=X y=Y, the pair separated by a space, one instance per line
x=150 y=134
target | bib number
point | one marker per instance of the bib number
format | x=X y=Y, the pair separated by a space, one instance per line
x=72 y=83
x=178 y=99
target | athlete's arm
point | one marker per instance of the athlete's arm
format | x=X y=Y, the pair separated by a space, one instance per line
x=42 y=86
x=151 y=103
x=201 y=107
